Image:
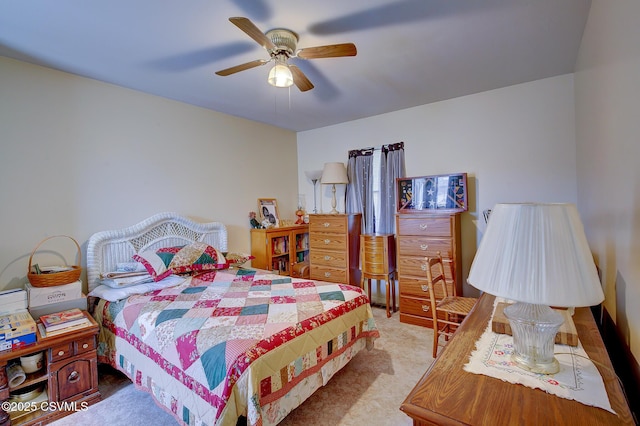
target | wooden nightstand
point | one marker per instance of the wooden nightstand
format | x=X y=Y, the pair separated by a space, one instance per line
x=69 y=376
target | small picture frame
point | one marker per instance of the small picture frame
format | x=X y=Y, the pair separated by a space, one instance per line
x=432 y=194
x=268 y=208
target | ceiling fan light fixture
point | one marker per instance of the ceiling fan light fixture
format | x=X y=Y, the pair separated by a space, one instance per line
x=280 y=75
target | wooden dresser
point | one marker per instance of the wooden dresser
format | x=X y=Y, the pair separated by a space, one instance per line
x=448 y=395
x=421 y=235
x=334 y=244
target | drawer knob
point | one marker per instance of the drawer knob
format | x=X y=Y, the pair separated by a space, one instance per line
x=425 y=287
x=327 y=258
x=73 y=377
x=424 y=246
x=60 y=353
x=326 y=224
x=423 y=266
x=423 y=226
x=425 y=308
x=327 y=274
x=85 y=345
x=327 y=241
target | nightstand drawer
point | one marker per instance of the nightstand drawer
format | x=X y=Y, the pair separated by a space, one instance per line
x=75 y=347
x=61 y=351
x=84 y=345
x=75 y=377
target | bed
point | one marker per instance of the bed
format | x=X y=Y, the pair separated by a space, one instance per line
x=224 y=344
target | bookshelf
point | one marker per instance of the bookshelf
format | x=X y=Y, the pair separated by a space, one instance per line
x=279 y=249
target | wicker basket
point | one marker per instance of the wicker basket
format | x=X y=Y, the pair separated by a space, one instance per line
x=54 y=278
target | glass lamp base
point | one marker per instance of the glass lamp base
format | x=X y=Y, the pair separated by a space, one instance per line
x=534 y=329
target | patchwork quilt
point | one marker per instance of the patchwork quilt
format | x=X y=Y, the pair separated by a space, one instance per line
x=233 y=342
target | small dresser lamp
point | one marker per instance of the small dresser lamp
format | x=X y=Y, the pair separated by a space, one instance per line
x=332 y=174
x=538 y=256
x=314 y=176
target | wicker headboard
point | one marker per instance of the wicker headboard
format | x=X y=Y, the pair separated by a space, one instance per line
x=105 y=249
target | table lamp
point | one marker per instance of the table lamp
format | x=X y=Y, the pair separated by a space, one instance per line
x=314 y=176
x=538 y=256
x=332 y=174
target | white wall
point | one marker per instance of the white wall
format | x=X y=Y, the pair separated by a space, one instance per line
x=79 y=156
x=608 y=147
x=516 y=144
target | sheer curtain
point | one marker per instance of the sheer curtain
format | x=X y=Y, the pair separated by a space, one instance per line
x=361 y=197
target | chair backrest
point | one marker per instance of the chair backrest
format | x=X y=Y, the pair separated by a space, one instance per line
x=436 y=281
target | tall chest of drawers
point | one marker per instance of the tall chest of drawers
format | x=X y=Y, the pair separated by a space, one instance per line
x=334 y=244
x=420 y=236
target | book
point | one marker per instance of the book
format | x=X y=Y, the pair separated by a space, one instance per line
x=64 y=319
x=44 y=333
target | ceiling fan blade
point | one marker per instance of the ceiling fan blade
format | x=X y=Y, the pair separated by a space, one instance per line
x=299 y=79
x=329 y=51
x=242 y=67
x=254 y=32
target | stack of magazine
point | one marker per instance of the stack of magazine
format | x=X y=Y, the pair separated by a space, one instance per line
x=62 y=322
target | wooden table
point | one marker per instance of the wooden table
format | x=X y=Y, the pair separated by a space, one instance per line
x=448 y=395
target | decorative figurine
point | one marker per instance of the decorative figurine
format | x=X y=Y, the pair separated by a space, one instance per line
x=253 y=221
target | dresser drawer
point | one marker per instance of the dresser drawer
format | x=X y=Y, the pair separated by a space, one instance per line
x=418 y=287
x=415 y=306
x=325 y=273
x=328 y=223
x=423 y=246
x=336 y=259
x=328 y=241
x=429 y=226
x=417 y=267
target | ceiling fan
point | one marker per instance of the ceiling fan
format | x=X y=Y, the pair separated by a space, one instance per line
x=281 y=44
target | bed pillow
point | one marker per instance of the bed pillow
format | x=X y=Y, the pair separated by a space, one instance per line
x=115 y=294
x=194 y=257
x=237 y=259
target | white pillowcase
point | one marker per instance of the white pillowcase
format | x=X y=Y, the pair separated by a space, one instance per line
x=115 y=294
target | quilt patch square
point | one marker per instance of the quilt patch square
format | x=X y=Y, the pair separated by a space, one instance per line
x=332 y=295
x=251 y=319
x=255 y=310
x=221 y=311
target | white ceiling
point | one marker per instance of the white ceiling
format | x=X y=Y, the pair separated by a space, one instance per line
x=410 y=52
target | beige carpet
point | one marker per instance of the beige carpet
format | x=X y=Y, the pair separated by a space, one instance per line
x=369 y=390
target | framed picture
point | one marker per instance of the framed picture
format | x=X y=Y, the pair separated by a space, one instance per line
x=437 y=193
x=268 y=208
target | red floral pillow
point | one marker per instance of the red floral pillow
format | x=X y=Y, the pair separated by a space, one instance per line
x=193 y=257
x=237 y=259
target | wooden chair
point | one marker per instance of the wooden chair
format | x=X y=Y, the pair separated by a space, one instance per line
x=447 y=310
x=378 y=262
